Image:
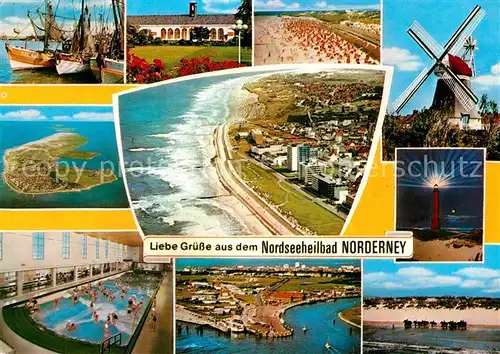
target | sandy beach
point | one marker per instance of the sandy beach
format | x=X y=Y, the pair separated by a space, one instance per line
x=441 y=250
x=478 y=317
x=287 y=39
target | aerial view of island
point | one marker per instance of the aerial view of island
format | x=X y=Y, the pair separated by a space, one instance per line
x=263 y=152
x=432 y=308
x=33 y=168
x=59 y=157
x=237 y=304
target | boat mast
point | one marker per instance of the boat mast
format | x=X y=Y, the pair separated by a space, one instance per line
x=46 y=34
x=82 y=27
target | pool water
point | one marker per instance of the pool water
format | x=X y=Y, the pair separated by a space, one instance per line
x=80 y=313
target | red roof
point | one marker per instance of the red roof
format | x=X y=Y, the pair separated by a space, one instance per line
x=458 y=66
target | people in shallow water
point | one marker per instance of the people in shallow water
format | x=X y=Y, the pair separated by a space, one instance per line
x=106 y=330
x=71 y=326
x=56 y=302
x=96 y=316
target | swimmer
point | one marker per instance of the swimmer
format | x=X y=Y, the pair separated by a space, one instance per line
x=56 y=302
x=96 y=316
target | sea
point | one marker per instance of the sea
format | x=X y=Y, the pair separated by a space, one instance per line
x=472 y=340
x=36 y=76
x=167 y=136
x=320 y=319
x=101 y=138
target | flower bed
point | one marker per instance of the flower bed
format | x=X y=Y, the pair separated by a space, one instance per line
x=142 y=72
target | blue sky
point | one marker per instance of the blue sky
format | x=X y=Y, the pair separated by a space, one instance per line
x=13 y=13
x=57 y=113
x=181 y=7
x=384 y=278
x=318 y=5
x=440 y=18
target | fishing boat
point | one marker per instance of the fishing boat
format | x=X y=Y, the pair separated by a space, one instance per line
x=304 y=329
x=44 y=26
x=77 y=58
x=108 y=65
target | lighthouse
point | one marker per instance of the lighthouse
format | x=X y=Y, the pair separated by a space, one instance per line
x=435 y=223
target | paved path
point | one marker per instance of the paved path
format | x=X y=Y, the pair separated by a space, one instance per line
x=161 y=340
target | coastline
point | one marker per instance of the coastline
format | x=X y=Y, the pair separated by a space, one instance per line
x=184 y=315
x=60 y=190
x=347 y=321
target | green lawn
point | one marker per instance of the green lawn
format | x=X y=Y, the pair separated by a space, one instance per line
x=172 y=54
x=307 y=213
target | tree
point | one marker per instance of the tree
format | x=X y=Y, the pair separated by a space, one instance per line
x=200 y=34
x=245 y=14
x=135 y=37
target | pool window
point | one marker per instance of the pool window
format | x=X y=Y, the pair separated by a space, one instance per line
x=96 y=248
x=8 y=285
x=114 y=249
x=38 y=245
x=36 y=279
x=65 y=245
x=106 y=248
x=84 y=246
x=65 y=275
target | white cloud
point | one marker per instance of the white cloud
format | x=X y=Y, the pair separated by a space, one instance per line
x=321 y=5
x=94 y=116
x=473 y=284
x=275 y=5
x=393 y=285
x=415 y=272
x=478 y=272
x=492 y=79
x=494 y=286
x=402 y=59
x=28 y=114
x=375 y=277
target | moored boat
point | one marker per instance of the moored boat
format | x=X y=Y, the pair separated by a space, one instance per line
x=67 y=64
x=77 y=59
x=44 y=26
x=26 y=59
x=112 y=72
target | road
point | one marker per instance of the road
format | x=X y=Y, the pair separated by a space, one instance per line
x=274 y=222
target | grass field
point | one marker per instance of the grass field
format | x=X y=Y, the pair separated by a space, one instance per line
x=312 y=284
x=304 y=210
x=171 y=55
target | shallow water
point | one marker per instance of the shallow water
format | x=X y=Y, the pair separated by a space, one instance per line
x=81 y=314
x=474 y=339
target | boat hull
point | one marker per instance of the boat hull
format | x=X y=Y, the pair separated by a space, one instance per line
x=66 y=65
x=26 y=59
x=113 y=71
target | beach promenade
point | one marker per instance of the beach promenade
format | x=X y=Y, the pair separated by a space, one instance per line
x=161 y=338
x=276 y=224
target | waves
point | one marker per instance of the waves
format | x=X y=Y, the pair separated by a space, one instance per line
x=167 y=190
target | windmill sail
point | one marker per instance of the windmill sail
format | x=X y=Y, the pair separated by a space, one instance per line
x=433 y=49
x=403 y=99
x=463 y=93
x=454 y=45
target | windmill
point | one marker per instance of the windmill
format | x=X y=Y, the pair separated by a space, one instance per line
x=470 y=46
x=453 y=72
